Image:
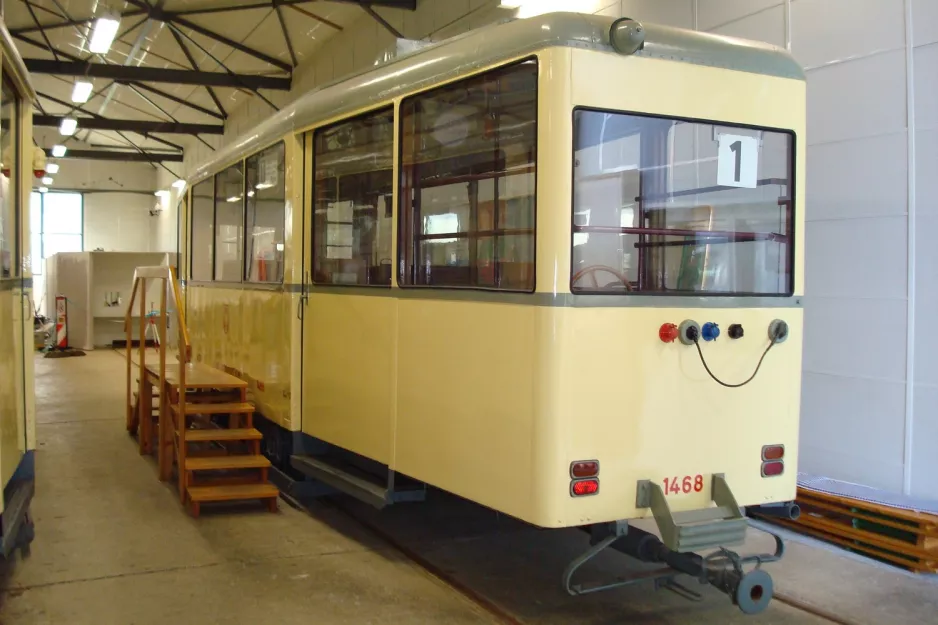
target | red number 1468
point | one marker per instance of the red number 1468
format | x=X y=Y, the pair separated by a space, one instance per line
x=686 y=484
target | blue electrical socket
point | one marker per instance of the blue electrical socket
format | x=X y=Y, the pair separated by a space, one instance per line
x=710 y=331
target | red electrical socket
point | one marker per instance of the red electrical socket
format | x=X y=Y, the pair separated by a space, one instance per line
x=668 y=332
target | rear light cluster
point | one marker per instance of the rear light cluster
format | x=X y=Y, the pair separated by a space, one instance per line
x=584 y=476
x=773 y=462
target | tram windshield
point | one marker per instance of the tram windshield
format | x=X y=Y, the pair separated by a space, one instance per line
x=677 y=206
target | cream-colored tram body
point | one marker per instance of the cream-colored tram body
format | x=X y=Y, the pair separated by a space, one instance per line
x=21 y=163
x=552 y=266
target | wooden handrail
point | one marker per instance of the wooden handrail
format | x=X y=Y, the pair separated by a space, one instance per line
x=181 y=317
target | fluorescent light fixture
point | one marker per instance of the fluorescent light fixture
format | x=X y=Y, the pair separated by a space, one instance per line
x=161 y=193
x=68 y=126
x=81 y=91
x=234 y=198
x=280 y=247
x=58 y=151
x=52 y=168
x=102 y=36
x=250 y=194
x=263 y=185
x=179 y=184
x=43 y=189
x=47 y=180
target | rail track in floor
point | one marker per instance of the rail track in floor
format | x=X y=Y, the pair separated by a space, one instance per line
x=495 y=611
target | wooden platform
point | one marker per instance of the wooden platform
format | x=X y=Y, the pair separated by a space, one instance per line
x=901 y=537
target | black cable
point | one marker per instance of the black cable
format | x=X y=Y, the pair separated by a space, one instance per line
x=719 y=381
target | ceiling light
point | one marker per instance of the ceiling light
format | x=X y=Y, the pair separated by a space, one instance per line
x=234 y=198
x=179 y=184
x=58 y=151
x=43 y=189
x=250 y=194
x=52 y=168
x=47 y=180
x=161 y=193
x=102 y=36
x=81 y=91
x=263 y=185
x=68 y=126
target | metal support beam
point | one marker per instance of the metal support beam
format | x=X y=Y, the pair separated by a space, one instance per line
x=220 y=63
x=286 y=33
x=132 y=125
x=387 y=26
x=116 y=155
x=123 y=73
x=179 y=21
x=67 y=23
x=42 y=31
x=177 y=100
x=195 y=65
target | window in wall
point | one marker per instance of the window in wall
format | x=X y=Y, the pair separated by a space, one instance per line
x=62 y=223
x=264 y=216
x=469 y=153
x=9 y=181
x=352 y=201
x=229 y=224
x=202 y=229
x=676 y=206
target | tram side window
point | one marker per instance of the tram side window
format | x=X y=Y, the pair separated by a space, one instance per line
x=202 y=227
x=9 y=151
x=229 y=224
x=468 y=182
x=353 y=185
x=265 y=216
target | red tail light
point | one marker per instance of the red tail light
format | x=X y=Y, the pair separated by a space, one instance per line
x=580 y=488
x=773 y=452
x=584 y=468
x=776 y=467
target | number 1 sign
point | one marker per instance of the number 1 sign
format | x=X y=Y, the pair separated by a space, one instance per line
x=737 y=161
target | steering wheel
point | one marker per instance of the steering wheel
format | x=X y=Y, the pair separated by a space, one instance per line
x=593 y=269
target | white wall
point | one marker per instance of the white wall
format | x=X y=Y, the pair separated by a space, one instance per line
x=870 y=397
x=83 y=174
x=119 y=222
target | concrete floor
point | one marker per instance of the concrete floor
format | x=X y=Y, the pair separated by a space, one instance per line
x=114 y=546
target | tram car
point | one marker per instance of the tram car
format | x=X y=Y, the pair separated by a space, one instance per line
x=20 y=163
x=553 y=266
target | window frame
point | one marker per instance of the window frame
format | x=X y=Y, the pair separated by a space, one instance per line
x=395 y=114
x=191 y=220
x=245 y=274
x=400 y=258
x=792 y=165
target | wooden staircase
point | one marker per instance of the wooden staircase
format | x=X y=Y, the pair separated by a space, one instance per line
x=204 y=422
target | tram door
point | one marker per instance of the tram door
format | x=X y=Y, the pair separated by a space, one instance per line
x=15 y=280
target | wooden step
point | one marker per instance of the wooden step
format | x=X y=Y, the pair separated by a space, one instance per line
x=223 y=434
x=219 y=463
x=233 y=408
x=232 y=492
